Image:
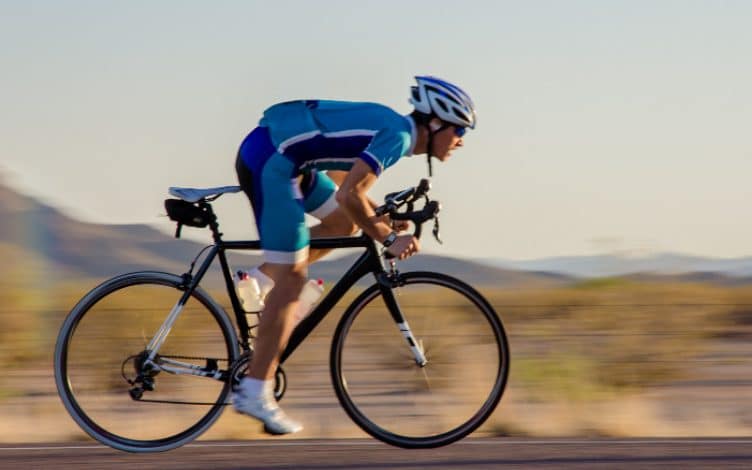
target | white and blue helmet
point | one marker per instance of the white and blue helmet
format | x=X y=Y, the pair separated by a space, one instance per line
x=448 y=102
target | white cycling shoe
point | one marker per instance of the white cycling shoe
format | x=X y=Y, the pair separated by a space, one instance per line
x=266 y=410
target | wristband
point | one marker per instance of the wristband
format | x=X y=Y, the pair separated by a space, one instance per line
x=389 y=239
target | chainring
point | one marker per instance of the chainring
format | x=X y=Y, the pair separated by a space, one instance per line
x=240 y=370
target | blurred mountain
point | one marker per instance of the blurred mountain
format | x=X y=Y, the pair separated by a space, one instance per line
x=666 y=264
x=698 y=277
x=468 y=271
x=36 y=234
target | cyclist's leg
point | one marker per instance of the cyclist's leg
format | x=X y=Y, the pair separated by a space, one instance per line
x=284 y=239
x=256 y=395
x=280 y=219
x=318 y=191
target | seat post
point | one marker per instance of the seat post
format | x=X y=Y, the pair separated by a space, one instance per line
x=213 y=224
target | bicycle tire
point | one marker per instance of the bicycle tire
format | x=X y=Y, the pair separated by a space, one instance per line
x=97 y=317
x=370 y=370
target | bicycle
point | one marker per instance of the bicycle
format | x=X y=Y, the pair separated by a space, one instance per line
x=155 y=376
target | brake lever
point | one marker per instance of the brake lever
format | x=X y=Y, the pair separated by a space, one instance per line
x=436 y=234
x=422 y=189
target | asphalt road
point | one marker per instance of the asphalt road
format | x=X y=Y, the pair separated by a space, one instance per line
x=369 y=454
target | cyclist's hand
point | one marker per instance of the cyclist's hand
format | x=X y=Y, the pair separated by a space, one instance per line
x=404 y=246
x=399 y=225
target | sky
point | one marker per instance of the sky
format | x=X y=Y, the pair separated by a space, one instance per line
x=603 y=126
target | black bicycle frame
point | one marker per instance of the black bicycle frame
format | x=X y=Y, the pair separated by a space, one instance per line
x=369 y=262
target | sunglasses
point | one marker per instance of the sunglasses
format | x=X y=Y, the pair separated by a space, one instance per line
x=458 y=130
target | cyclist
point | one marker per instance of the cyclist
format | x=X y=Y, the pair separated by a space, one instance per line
x=281 y=166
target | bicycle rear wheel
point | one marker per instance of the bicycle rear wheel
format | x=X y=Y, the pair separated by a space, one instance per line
x=384 y=390
x=103 y=342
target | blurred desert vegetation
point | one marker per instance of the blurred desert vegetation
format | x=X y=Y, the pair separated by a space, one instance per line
x=614 y=357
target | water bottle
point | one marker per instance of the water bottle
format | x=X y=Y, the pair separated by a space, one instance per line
x=249 y=292
x=311 y=293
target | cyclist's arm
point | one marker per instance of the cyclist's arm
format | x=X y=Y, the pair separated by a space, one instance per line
x=353 y=198
x=338 y=176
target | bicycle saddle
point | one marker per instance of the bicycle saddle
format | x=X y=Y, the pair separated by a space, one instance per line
x=196 y=194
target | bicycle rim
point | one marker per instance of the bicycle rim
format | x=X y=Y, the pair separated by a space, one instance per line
x=99 y=344
x=388 y=394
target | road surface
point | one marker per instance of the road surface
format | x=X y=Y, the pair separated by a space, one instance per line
x=372 y=455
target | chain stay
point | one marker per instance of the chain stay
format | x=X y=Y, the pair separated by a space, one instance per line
x=208 y=360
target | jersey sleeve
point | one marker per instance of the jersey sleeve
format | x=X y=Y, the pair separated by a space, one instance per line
x=386 y=147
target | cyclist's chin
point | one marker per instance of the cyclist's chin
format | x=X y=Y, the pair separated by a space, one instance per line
x=445 y=157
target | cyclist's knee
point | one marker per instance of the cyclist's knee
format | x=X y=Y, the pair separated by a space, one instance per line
x=339 y=223
x=288 y=279
x=347 y=228
x=351 y=228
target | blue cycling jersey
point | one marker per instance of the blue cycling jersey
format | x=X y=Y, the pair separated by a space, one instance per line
x=331 y=135
x=299 y=137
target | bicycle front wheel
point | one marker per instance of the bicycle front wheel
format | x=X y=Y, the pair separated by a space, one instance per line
x=393 y=398
x=101 y=350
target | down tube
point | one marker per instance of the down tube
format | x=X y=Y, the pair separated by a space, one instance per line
x=362 y=266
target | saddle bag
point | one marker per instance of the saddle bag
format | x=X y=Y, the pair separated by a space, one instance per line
x=186 y=213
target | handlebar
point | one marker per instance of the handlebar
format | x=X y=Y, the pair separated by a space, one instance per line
x=409 y=194
x=419 y=217
x=394 y=201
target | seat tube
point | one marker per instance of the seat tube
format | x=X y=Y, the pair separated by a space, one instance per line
x=396 y=312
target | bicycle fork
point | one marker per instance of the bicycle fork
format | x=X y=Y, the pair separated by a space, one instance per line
x=416 y=347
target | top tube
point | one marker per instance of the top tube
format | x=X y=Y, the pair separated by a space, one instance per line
x=361 y=241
